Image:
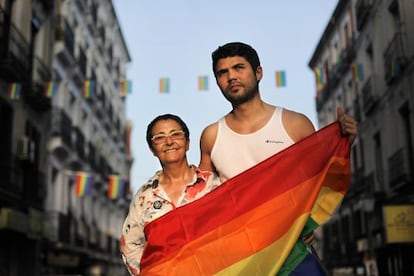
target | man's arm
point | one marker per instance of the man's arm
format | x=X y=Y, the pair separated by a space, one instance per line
x=208 y=137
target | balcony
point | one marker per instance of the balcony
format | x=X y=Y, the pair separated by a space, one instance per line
x=399 y=169
x=61 y=131
x=362 y=8
x=369 y=95
x=36 y=96
x=65 y=42
x=92 y=156
x=14 y=51
x=394 y=59
x=56 y=227
x=80 y=143
x=34 y=187
x=10 y=191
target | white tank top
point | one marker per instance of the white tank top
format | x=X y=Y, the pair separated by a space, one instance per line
x=233 y=153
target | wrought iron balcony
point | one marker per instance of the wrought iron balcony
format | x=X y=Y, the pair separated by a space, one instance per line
x=399 y=169
x=394 y=59
x=65 y=42
x=80 y=143
x=14 y=51
x=36 y=95
x=369 y=95
x=62 y=126
x=363 y=8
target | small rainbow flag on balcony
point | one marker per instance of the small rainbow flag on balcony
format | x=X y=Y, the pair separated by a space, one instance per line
x=280 y=78
x=392 y=67
x=357 y=73
x=125 y=87
x=115 y=186
x=83 y=183
x=88 y=88
x=51 y=89
x=14 y=90
x=319 y=78
x=164 y=85
x=203 y=83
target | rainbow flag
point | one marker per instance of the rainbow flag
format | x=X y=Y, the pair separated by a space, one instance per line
x=357 y=73
x=115 y=187
x=203 y=83
x=249 y=225
x=88 y=88
x=51 y=88
x=280 y=78
x=125 y=87
x=392 y=67
x=14 y=90
x=319 y=78
x=165 y=85
x=83 y=183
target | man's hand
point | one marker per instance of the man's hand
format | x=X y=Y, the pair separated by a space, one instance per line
x=349 y=126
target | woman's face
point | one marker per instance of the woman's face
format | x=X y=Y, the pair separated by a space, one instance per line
x=169 y=143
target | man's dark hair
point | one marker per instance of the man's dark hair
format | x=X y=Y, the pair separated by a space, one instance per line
x=233 y=49
x=166 y=117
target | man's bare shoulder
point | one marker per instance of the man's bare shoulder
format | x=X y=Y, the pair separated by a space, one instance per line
x=210 y=132
x=297 y=124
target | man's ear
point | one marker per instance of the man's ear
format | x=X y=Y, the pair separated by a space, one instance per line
x=259 y=73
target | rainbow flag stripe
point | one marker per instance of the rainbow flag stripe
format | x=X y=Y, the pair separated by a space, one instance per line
x=51 y=88
x=319 y=78
x=125 y=87
x=115 y=186
x=357 y=73
x=88 y=88
x=164 y=85
x=393 y=67
x=14 y=90
x=203 y=83
x=249 y=225
x=280 y=78
x=83 y=183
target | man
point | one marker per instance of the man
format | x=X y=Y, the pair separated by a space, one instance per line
x=253 y=130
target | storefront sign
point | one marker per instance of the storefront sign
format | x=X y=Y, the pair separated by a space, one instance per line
x=399 y=223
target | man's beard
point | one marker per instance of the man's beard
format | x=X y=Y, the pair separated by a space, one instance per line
x=238 y=99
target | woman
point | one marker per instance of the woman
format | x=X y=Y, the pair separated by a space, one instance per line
x=176 y=184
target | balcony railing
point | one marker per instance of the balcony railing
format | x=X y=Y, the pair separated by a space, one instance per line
x=61 y=126
x=57 y=227
x=34 y=187
x=398 y=167
x=14 y=51
x=394 y=59
x=36 y=95
x=65 y=42
x=363 y=8
x=369 y=95
x=80 y=143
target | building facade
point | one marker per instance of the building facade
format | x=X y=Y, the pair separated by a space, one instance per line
x=364 y=63
x=65 y=156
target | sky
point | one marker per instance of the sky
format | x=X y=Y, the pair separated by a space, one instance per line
x=175 y=38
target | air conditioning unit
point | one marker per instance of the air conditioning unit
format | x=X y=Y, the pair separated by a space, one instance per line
x=26 y=149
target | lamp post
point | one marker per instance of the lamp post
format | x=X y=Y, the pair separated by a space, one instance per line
x=368 y=206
